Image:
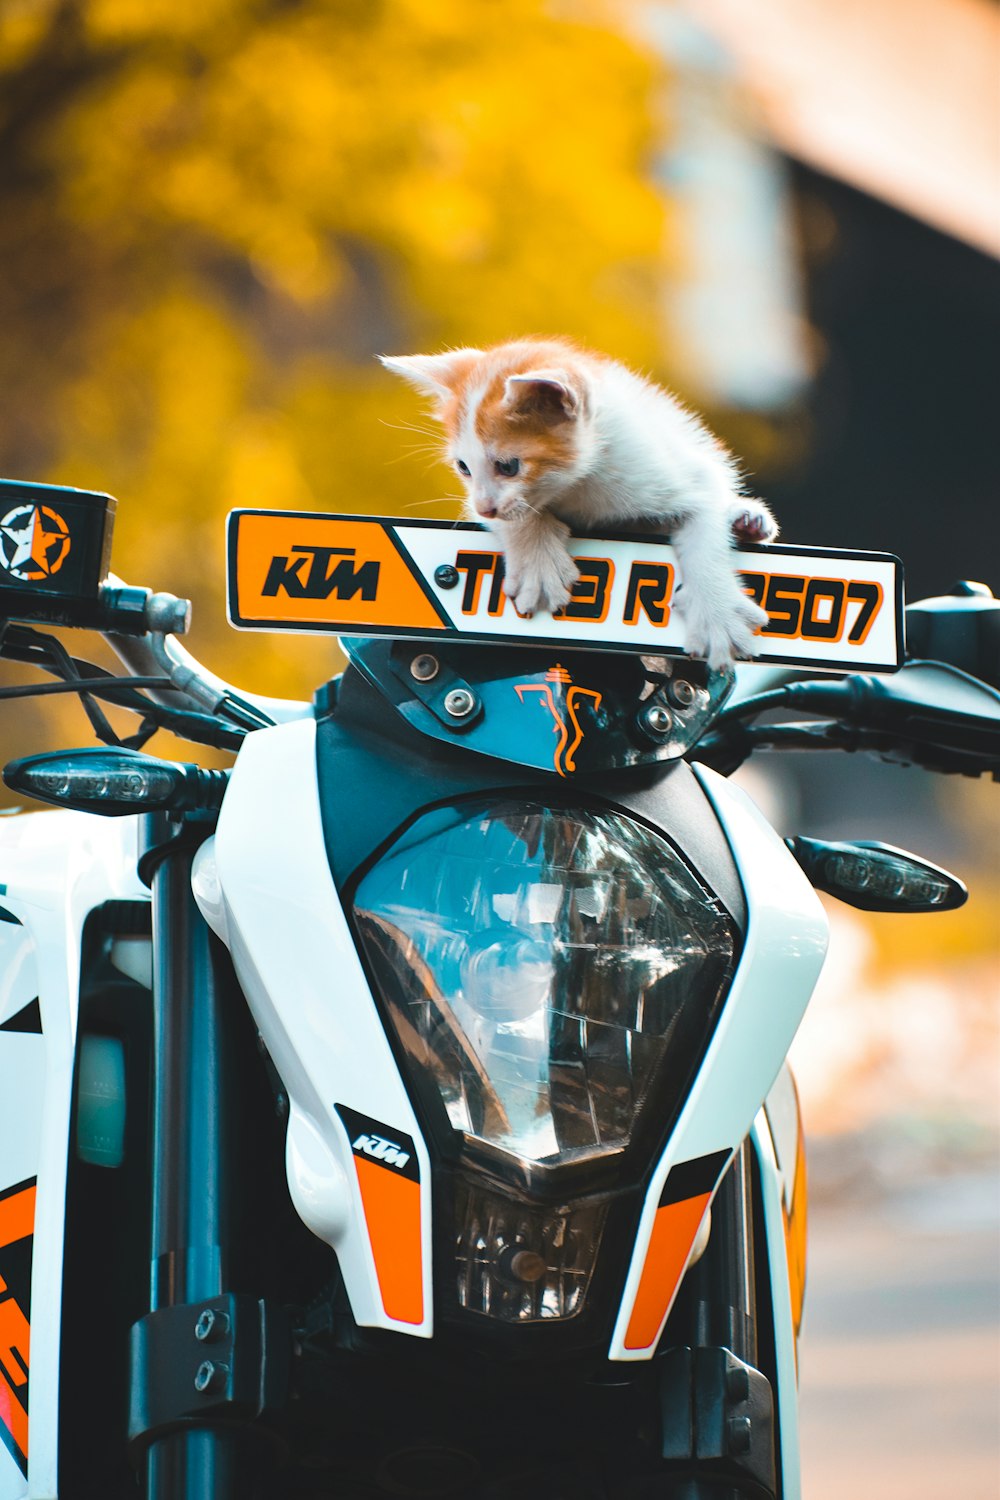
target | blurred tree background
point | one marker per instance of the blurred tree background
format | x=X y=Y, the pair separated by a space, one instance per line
x=217 y=214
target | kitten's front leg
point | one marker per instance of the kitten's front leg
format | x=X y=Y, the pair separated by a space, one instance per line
x=539 y=570
x=719 y=618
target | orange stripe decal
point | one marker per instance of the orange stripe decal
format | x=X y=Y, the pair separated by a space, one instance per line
x=795 y=1235
x=392 y=1214
x=17 y=1224
x=675 y=1229
x=13 y=1416
x=17 y=1216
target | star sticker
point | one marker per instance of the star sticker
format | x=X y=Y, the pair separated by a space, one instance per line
x=40 y=542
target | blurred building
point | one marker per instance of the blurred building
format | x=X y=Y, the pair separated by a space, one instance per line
x=898 y=98
x=837 y=163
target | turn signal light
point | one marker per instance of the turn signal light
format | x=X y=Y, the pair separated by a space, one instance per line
x=877 y=877
x=116 y=782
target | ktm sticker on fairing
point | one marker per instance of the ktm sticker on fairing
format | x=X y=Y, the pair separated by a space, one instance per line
x=17 y=1227
x=373 y=575
x=683 y=1204
x=388 y=1173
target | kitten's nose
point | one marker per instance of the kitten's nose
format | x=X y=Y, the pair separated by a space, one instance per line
x=487 y=511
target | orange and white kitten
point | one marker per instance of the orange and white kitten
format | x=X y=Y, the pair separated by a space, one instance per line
x=547 y=437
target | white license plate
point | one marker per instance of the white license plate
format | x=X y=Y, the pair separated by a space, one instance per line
x=375 y=575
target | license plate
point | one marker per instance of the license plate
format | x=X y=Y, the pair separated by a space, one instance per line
x=376 y=575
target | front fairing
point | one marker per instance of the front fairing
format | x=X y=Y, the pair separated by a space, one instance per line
x=309 y=804
x=56 y=870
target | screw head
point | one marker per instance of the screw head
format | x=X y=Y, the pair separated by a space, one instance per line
x=424 y=668
x=209 y=1377
x=682 y=692
x=446 y=577
x=658 y=720
x=739 y=1435
x=460 y=703
x=212 y=1324
x=738 y=1384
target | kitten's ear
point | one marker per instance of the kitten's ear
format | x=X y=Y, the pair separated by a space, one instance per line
x=436 y=375
x=554 y=395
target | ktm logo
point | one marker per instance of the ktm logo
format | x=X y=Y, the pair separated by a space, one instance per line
x=381 y=1150
x=564 y=755
x=34 y=542
x=311 y=572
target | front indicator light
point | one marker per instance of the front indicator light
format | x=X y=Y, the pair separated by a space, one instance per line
x=115 y=782
x=877 y=877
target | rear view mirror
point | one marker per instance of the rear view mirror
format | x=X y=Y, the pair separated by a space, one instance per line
x=961 y=628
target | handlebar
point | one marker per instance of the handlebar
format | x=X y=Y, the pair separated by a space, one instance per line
x=942 y=713
x=141 y=628
x=929 y=714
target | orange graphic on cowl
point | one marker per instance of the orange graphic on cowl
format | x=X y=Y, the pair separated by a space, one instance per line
x=564 y=755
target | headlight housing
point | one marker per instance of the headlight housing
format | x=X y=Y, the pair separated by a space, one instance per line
x=556 y=972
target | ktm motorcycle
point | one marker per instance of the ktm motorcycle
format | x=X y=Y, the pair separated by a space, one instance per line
x=404 y=1111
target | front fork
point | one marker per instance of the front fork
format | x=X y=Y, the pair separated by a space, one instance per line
x=718 y=1408
x=203 y=1360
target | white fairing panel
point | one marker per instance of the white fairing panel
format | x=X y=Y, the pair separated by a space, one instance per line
x=781 y=960
x=359 y=1175
x=55 y=867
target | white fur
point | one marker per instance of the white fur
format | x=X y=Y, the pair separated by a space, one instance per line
x=639 y=458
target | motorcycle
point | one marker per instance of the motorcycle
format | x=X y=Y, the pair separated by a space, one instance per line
x=404 y=1111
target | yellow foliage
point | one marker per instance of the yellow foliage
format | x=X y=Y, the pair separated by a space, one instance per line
x=217 y=213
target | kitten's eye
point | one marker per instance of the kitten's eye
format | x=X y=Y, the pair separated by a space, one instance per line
x=507 y=466
x=462 y=467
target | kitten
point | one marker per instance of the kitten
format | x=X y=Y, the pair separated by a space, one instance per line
x=547 y=437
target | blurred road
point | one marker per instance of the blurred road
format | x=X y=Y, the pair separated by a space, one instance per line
x=900 y=1355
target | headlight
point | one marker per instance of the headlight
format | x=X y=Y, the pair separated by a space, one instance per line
x=556 y=972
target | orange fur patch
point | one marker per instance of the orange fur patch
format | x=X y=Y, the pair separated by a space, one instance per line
x=523 y=430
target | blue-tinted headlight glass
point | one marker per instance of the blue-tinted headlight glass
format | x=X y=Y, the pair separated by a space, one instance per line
x=539 y=963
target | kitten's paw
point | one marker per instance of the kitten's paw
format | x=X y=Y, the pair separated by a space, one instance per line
x=751 y=521
x=541 y=583
x=720 y=634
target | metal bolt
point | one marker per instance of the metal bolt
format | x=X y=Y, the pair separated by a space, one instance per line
x=424 y=668
x=210 y=1377
x=212 y=1324
x=739 y=1435
x=682 y=692
x=658 y=720
x=446 y=576
x=460 y=703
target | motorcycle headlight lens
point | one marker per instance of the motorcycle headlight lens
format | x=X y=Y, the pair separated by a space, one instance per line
x=540 y=964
